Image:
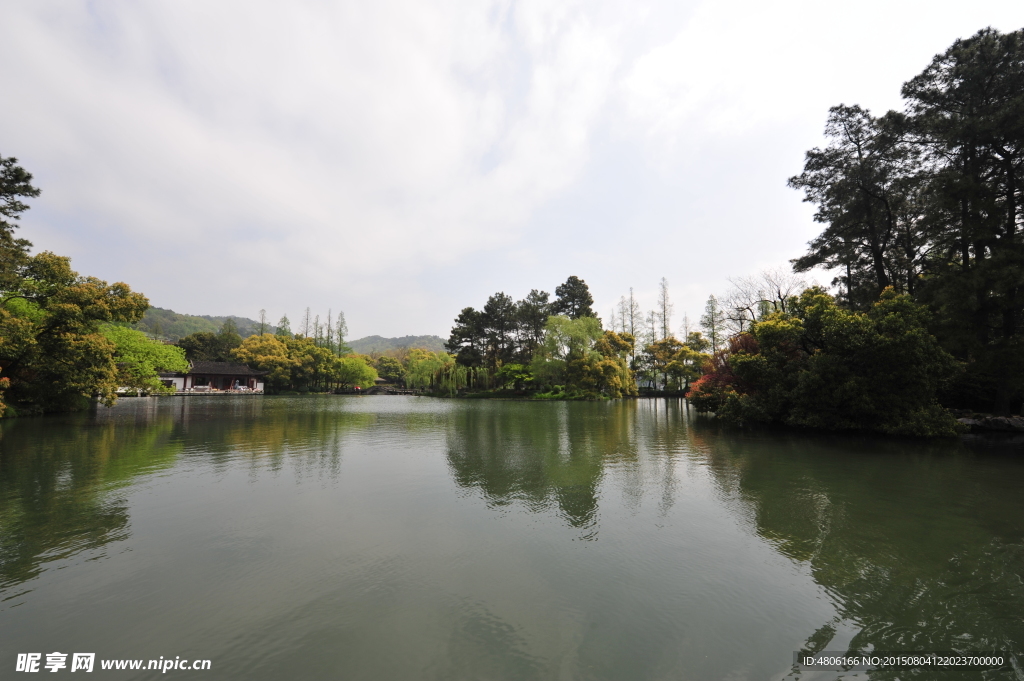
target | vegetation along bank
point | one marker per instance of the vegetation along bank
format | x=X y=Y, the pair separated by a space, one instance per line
x=921 y=213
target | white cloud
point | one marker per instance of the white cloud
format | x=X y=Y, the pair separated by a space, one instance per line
x=385 y=157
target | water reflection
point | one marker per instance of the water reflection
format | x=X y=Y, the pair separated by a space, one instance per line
x=62 y=479
x=916 y=546
x=515 y=452
x=919 y=546
x=59 y=494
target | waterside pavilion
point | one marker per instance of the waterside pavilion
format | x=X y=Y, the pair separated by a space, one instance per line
x=215 y=377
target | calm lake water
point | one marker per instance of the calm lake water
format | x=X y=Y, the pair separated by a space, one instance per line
x=415 y=538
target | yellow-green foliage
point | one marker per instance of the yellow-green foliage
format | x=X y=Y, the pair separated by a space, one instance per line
x=578 y=355
x=354 y=371
x=301 y=364
x=436 y=371
x=140 y=358
x=267 y=353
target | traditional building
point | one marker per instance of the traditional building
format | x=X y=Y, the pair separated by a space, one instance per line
x=215 y=377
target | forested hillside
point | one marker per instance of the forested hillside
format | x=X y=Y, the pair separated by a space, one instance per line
x=379 y=344
x=171 y=325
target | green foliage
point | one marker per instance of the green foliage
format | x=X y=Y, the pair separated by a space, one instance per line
x=50 y=340
x=267 y=353
x=170 y=325
x=390 y=369
x=5 y=383
x=209 y=347
x=299 y=364
x=435 y=371
x=354 y=371
x=15 y=184
x=713 y=323
x=578 y=355
x=928 y=200
x=379 y=344
x=503 y=332
x=865 y=188
x=678 y=363
x=564 y=339
x=604 y=371
x=284 y=327
x=515 y=376
x=573 y=299
x=831 y=368
x=139 y=359
x=314 y=366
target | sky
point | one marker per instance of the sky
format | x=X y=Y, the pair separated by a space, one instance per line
x=403 y=159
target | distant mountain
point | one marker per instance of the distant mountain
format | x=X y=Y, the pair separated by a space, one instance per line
x=173 y=326
x=371 y=344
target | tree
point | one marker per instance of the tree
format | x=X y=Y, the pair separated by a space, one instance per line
x=826 y=367
x=313 y=365
x=753 y=298
x=584 y=361
x=435 y=371
x=964 y=113
x=139 y=359
x=930 y=201
x=468 y=338
x=531 y=315
x=50 y=345
x=204 y=346
x=267 y=353
x=697 y=342
x=865 y=186
x=604 y=370
x=228 y=337
x=499 y=317
x=354 y=372
x=664 y=311
x=630 y=319
x=15 y=184
x=263 y=322
x=713 y=323
x=659 y=355
x=390 y=369
x=340 y=331
x=284 y=327
x=564 y=339
x=573 y=299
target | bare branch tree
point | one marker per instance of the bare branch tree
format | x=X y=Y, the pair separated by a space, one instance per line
x=752 y=298
x=664 y=309
x=306 y=323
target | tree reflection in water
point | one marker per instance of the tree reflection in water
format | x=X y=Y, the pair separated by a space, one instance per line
x=920 y=546
x=917 y=546
x=545 y=458
x=63 y=479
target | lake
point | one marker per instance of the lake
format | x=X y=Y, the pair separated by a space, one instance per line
x=336 y=537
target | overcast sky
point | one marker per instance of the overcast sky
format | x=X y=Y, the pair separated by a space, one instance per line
x=403 y=159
